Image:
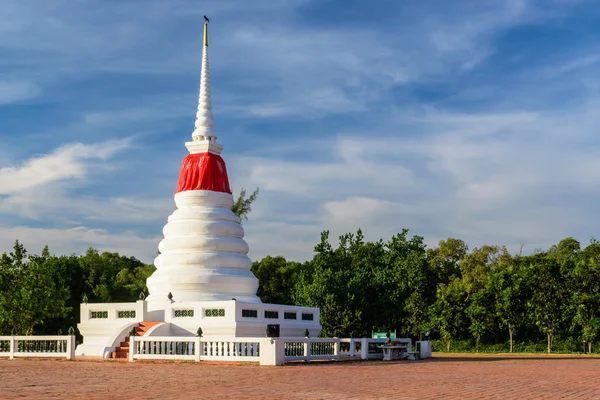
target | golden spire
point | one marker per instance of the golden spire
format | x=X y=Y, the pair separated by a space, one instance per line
x=205 y=35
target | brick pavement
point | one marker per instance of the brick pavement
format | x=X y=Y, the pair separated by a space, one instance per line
x=438 y=378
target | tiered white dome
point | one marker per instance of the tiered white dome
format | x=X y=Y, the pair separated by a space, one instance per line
x=203 y=255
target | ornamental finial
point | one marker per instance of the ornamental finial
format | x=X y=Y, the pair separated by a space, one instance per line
x=206 y=21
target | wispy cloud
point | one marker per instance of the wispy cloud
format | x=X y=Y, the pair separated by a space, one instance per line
x=16 y=91
x=68 y=162
x=500 y=178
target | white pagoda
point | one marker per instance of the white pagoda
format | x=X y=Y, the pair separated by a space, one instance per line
x=202 y=278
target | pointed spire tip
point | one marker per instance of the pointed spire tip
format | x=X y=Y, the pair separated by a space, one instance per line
x=206 y=35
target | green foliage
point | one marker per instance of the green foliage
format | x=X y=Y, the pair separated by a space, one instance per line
x=584 y=286
x=114 y=278
x=480 y=314
x=40 y=294
x=242 y=205
x=330 y=284
x=510 y=290
x=547 y=303
x=360 y=286
x=448 y=312
x=476 y=266
x=33 y=291
x=276 y=278
x=445 y=259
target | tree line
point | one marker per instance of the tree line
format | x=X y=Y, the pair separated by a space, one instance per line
x=40 y=294
x=484 y=298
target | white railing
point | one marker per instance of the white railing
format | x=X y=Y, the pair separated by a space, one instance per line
x=164 y=348
x=194 y=348
x=37 y=346
x=350 y=347
x=309 y=349
x=235 y=349
x=265 y=351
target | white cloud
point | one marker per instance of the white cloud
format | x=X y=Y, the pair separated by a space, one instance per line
x=58 y=204
x=581 y=62
x=501 y=179
x=311 y=179
x=71 y=161
x=16 y=91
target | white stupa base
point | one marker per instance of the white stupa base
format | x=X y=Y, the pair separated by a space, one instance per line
x=112 y=322
x=104 y=326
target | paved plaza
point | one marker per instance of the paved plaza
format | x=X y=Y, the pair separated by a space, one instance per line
x=439 y=378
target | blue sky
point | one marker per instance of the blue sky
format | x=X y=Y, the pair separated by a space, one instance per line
x=469 y=119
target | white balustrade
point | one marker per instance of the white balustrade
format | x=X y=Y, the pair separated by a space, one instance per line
x=266 y=351
x=231 y=349
x=309 y=349
x=350 y=347
x=193 y=348
x=164 y=348
x=37 y=346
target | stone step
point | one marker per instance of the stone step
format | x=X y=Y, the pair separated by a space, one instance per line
x=123 y=350
x=145 y=326
x=119 y=354
x=148 y=324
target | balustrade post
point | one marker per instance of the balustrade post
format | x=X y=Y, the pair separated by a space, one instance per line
x=12 y=347
x=336 y=351
x=352 y=347
x=71 y=347
x=272 y=351
x=307 y=350
x=364 y=349
x=198 y=352
x=131 y=348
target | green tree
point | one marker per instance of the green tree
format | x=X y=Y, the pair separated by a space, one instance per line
x=511 y=291
x=444 y=260
x=33 y=291
x=340 y=282
x=18 y=256
x=585 y=292
x=548 y=300
x=243 y=205
x=276 y=278
x=480 y=313
x=111 y=277
x=406 y=261
x=448 y=311
x=476 y=266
